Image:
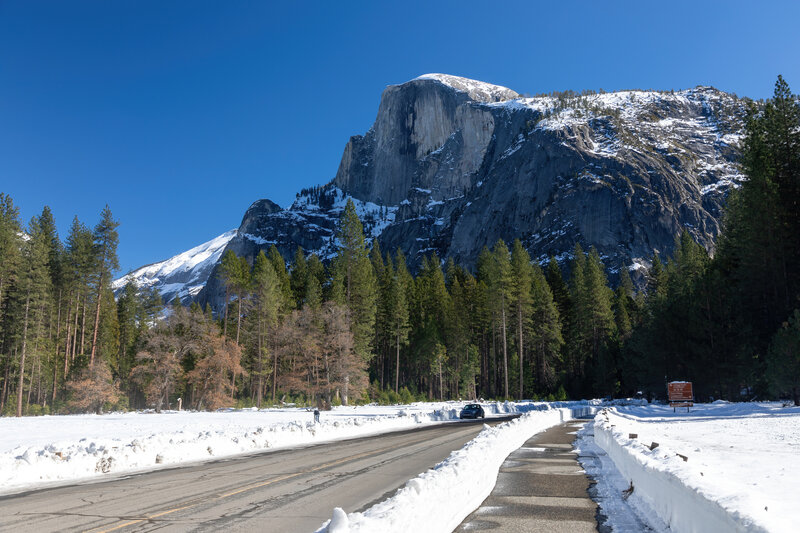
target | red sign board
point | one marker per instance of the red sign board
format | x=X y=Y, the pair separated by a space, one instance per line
x=680 y=393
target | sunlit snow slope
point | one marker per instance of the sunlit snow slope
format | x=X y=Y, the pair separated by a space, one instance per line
x=183 y=275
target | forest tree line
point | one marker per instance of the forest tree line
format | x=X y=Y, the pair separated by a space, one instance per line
x=363 y=328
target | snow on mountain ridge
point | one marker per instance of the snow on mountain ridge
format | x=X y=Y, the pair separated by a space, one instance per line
x=183 y=275
x=477 y=90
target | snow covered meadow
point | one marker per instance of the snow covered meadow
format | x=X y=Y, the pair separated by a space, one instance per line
x=719 y=467
x=37 y=451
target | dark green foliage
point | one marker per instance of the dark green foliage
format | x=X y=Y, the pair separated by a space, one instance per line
x=783 y=359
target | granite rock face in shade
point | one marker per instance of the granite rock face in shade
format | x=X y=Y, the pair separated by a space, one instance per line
x=452 y=165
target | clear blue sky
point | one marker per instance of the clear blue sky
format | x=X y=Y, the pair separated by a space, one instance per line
x=180 y=114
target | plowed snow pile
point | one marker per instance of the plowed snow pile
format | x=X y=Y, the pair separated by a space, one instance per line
x=721 y=465
x=35 y=451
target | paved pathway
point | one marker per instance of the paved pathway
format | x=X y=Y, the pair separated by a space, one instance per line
x=540 y=488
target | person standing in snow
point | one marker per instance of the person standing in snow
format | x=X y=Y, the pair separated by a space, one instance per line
x=316 y=415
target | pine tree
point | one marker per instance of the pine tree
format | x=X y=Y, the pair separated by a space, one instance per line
x=398 y=313
x=502 y=294
x=546 y=336
x=601 y=321
x=558 y=287
x=267 y=300
x=656 y=278
x=382 y=339
x=79 y=263
x=235 y=275
x=783 y=359
x=227 y=273
x=129 y=318
x=55 y=266
x=487 y=320
x=106 y=262
x=241 y=285
x=434 y=307
x=284 y=282
x=298 y=278
x=579 y=321
x=33 y=289
x=465 y=321
x=10 y=246
x=521 y=302
x=355 y=279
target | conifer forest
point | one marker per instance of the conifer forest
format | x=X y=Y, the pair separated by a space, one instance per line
x=365 y=327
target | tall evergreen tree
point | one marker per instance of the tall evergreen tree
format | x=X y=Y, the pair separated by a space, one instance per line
x=521 y=302
x=79 y=263
x=267 y=301
x=579 y=345
x=227 y=273
x=298 y=277
x=33 y=289
x=546 y=334
x=10 y=247
x=499 y=285
x=783 y=359
x=601 y=322
x=106 y=239
x=129 y=318
x=355 y=280
x=397 y=306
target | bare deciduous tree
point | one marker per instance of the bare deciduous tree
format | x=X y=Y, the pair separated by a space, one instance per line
x=93 y=387
x=212 y=373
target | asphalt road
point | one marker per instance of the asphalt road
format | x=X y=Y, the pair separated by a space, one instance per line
x=285 y=490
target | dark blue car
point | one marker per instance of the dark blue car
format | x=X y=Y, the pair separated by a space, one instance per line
x=472 y=410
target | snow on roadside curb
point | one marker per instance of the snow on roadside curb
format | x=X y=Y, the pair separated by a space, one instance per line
x=440 y=499
x=621 y=511
x=39 y=451
x=683 y=496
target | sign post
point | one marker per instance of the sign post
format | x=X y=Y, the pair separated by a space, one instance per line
x=680 y=394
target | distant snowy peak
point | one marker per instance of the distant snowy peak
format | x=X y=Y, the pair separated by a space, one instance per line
x=477 y=90
x=183 y=275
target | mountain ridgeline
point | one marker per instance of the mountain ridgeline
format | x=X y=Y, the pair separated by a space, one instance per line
x=452 y=165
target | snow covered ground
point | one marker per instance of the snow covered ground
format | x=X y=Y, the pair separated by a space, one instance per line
x=38 y=451
x=719 y=467
x=740 y=473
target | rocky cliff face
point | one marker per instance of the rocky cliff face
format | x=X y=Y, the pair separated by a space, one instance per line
x=452 y=165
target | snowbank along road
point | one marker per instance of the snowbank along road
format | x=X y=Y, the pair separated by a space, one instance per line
x=285 y=490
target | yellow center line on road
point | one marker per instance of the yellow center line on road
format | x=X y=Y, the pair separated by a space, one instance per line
x=259 y=485
x=150 y=517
